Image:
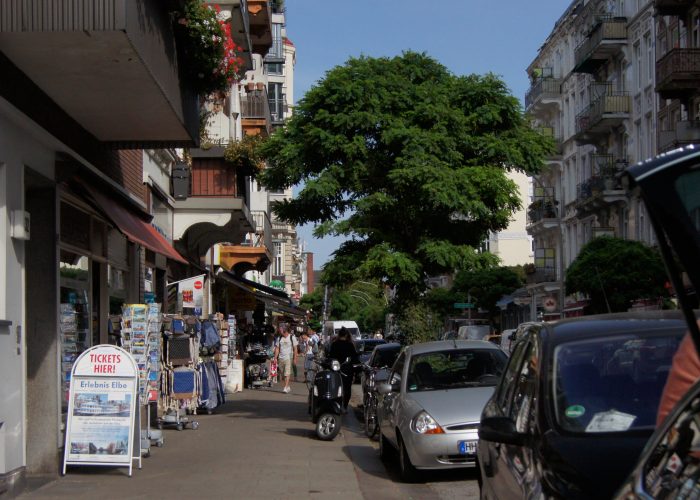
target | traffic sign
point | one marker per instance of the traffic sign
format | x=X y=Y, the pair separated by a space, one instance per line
x=463 y=305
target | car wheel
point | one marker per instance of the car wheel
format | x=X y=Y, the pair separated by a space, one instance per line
x=409 y=474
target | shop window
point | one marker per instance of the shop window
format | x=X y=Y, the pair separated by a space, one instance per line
x=116 y=286
x=74 y=314
x=75 y=227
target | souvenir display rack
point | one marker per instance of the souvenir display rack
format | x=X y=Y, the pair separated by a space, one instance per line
x=75 y=338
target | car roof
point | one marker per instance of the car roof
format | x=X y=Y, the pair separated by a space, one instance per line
x=441 y=345
x=388 y=346
x=603 y=325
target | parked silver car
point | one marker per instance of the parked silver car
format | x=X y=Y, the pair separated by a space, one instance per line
x=431 y=406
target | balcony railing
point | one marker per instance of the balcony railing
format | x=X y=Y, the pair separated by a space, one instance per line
x=213 y=177
x=278 y=109
x=543 y=89
x=558 y=143
x=677 y=73
x=263 y=229
x=672 y=7
x=542 y=208
x=686 y=132
x=608 y=108
x=255 y=108
x=607 y=37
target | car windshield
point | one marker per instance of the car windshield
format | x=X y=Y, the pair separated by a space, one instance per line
x=386 y=357
x=455 y=368
x=612 y=384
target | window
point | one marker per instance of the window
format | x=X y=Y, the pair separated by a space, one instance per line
x=525 y=392
x=277 y=50
x=276 y=99
x=650 y=57
x=455 y=368
x=504 y=390
x=397 y=370
x=278 y=267
x=274 y=68
x=638 y=63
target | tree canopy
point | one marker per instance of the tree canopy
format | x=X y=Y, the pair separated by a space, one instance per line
x=406 y=160
x=615 y=272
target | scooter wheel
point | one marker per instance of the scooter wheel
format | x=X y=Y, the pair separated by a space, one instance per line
x=328 y=426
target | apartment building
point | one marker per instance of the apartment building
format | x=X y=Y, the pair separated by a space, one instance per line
x=592 y=90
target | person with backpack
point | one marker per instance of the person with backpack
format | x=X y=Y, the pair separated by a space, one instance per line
x=285 y=354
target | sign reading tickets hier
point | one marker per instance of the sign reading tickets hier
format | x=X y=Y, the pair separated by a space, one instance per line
x=101 y=408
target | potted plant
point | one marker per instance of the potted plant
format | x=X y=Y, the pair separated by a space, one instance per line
x=208 y=56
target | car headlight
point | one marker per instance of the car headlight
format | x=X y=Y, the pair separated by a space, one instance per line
x=423 y=423
x=335 y=365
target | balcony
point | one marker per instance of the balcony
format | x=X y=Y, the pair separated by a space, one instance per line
x=608 y=109
x=105 y=70
x=597 y=194
x=256 y=118
x=606 y=39
x=672 y=7
x=558 y=143
x=686 y=132
x=678 y=74
x=255 y=252
x=240 y=29
x=216 y=210
x=260 y=19
x=544 y=93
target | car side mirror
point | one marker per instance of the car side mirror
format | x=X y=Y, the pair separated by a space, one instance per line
x=501 y=430
x=387 y=388
x=511 y=336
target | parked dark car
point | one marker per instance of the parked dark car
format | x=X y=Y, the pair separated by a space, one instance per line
x=365 y=347
x=569 y=418
x=669 y=466
x=374 y=372
x=378 y=365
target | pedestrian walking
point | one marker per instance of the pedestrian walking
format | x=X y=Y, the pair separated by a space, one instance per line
x=285 y=354
x=343 y=349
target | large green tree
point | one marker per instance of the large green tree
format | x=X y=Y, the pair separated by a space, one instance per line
x=613 y=272
x=408 y=162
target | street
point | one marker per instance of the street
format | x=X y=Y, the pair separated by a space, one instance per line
x=260 y=444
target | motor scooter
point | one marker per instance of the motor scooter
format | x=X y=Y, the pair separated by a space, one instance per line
x=325 y=383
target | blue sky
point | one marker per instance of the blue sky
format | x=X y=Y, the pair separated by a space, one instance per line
x=467 y=36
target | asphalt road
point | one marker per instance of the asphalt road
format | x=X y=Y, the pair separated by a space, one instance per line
x=379 y=479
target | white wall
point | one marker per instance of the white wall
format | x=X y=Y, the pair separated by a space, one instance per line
x=19 y=147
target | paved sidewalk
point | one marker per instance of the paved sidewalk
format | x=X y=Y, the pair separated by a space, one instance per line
x=260 y=444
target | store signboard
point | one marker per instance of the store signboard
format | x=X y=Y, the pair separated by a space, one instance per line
x=101 y=408
x=192 y=291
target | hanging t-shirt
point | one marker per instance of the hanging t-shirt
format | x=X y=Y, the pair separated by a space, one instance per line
x=287 y=346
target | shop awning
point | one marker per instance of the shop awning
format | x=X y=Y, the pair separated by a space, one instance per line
x=275 y=300
x=135 y=228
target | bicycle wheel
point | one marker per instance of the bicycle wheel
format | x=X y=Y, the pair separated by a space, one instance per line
x=370 y=414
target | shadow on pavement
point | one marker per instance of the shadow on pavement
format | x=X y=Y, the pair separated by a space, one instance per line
x=260 y=408
x=306 y=433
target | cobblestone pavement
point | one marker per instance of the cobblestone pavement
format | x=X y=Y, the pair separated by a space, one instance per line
x=260 y=444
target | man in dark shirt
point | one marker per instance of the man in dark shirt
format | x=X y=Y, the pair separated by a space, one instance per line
x=341 y=349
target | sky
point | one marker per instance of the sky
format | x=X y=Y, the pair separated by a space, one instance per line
x=466 y=36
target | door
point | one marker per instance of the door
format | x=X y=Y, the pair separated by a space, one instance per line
x=514 y=468
x=390 y=401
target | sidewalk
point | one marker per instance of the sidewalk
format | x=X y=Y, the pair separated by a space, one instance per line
x=260 y=444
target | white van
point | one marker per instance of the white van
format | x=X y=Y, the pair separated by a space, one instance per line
x=331 y=329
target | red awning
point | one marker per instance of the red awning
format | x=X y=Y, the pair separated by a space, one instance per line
x=135 y=228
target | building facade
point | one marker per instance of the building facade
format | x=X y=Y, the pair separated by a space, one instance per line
x=593 y=91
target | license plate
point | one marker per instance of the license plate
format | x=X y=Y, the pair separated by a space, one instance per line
x=467 y=447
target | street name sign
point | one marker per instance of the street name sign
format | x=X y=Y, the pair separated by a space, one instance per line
x=463 y=305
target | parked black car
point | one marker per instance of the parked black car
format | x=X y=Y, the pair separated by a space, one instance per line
x=364 y=350
x=381 y=359
x=670 y=463
x=571 y=415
